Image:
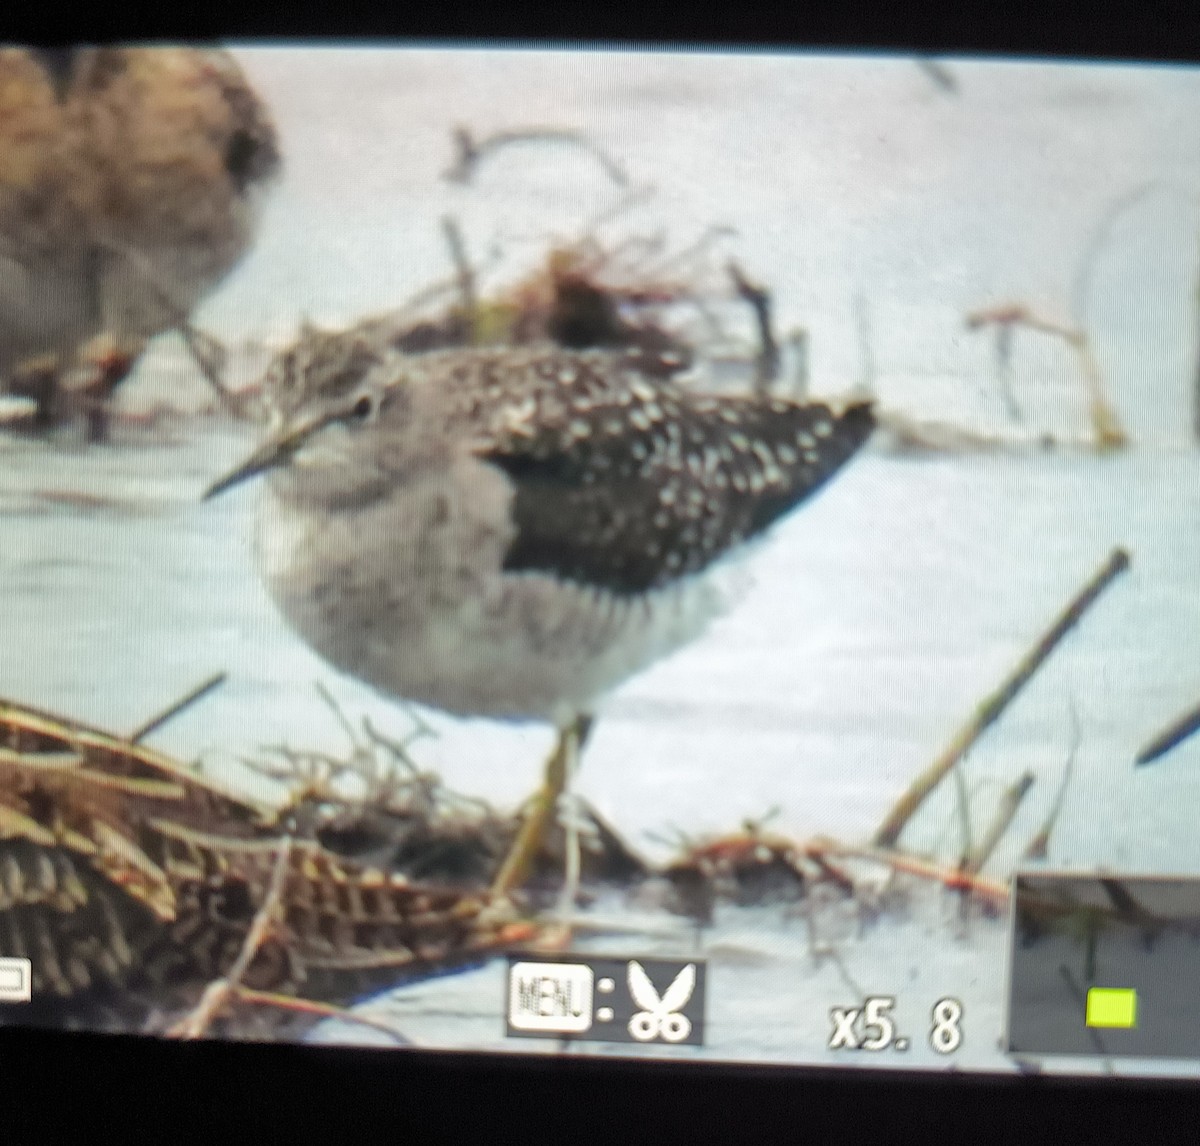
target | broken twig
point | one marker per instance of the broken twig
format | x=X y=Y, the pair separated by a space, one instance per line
x=471 y=151
x=949 y=877
x=1040 y=844
x=963 y=806
x=1106 y=425
x=319 y=1010
x=186 y=701
x=990 y=710
x=465 y=272
x=1005 y=814
x=766 y=364
x=1170 y=737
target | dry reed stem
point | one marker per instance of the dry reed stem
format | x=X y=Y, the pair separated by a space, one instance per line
x=991 y=708
x=472 y=151
x=178 y=706
x=1039 y=846
x=1174 y=734
x=1106 y=425
x=1005 y=813
x=951 y=877
x=310 y=1007
x=766 y=364
x=465 y=274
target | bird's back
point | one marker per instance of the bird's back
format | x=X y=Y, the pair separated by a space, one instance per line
x=626 y=482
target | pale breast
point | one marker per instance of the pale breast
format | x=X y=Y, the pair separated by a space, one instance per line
x=413 y=599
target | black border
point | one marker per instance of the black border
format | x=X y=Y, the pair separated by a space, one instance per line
x=283 y=1094
x=55 y=1085
x=1164 y=30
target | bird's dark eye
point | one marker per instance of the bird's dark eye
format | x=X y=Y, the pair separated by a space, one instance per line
x=362 y=409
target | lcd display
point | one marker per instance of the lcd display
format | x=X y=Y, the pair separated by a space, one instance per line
x=588 y=552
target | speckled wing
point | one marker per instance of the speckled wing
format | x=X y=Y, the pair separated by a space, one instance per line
x=627 y=484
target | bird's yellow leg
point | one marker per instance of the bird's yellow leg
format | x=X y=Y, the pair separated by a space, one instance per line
x=562 y=763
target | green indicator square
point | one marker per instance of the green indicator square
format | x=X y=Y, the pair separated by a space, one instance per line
x=1112 y=1007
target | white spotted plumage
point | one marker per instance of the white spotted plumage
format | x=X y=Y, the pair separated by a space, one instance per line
x=518 y=531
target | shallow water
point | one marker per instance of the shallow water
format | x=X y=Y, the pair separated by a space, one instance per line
x=877 y=617
x=874 y=622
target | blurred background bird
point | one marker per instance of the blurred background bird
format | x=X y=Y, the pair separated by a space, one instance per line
x=131 y=183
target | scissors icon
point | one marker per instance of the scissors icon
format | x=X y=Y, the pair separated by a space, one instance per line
x=660 y=1016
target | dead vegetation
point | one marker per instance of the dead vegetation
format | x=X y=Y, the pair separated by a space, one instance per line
x=677 y=309
x=371 y=816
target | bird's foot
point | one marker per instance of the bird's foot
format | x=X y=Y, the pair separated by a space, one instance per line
x=531 y=838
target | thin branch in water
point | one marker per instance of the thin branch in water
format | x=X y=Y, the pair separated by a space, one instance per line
x=1040 y=844
x=209 y=354
x=1004 y=817
x=963 y=807
x=830 y=952
x=766 y=365
x=993 y=706
x=952 y=878
x=471 y=152
x=333 y=706
x=1083 y=276
x=631 y=199
x=1005 y=319
x=1106 y=425
x=830 y=871
x=321 y=1010
x=678 y=261
x=637 y=251
x=464 y=271
x=184 y=702
x=679 y=840
x=1173 y=735
x=1004 y=345
x=212 y=358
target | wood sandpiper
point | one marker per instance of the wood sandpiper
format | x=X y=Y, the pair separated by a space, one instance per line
x=512 y=533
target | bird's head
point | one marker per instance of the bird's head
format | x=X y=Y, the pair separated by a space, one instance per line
x=325 y=394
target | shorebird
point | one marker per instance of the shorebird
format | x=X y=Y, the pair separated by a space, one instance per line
x=131 y=181
x=512 y=533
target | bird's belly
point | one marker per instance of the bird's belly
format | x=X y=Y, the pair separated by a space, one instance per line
x=471 y=640
x=535 y=648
